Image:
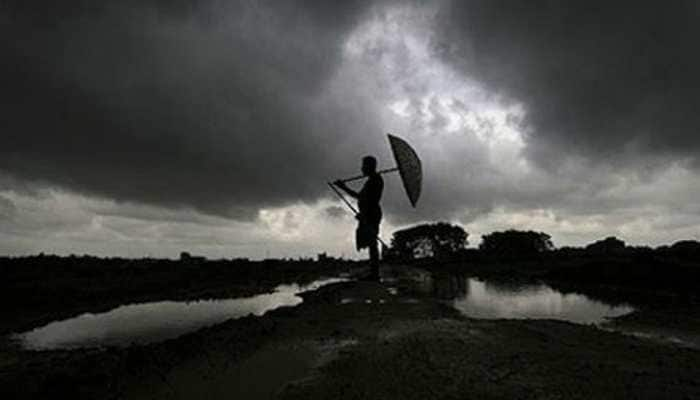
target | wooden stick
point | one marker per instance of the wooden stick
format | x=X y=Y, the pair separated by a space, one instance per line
x=358 y=177
x=342 y=197
x=332 y=186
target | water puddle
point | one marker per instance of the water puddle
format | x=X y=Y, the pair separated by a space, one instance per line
x=157 y=321
x=477 y=298
x=482 y=299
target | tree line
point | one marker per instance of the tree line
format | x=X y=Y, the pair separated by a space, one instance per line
x=443 y=240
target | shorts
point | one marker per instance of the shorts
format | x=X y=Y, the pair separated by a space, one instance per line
x=366 y=233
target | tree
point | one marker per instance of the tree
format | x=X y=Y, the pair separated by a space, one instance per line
x=516 y=243
x=689 y=249
x=439 y=240
x=609 y=245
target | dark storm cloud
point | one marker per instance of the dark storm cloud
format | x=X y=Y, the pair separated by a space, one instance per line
x=211 y=104
x=614 y=81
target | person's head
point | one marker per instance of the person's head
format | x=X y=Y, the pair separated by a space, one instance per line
x=369 y=165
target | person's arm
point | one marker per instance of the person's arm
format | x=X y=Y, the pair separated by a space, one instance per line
x=347 y=190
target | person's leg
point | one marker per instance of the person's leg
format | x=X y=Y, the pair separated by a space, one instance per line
x=374 y=259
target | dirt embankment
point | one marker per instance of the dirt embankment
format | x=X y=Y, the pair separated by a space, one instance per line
x=357 y=340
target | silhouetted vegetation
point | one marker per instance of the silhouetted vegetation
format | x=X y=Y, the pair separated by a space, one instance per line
x=685 y=249
x=440 y=240
x=512 y=243
x=664 y=271
x=609 y=245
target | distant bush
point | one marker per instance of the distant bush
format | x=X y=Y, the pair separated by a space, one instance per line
x=516 y=243
x=685 y=249
x=607 y=246
x=439 y=240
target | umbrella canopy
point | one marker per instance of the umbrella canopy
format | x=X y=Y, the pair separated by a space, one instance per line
x=409 y=167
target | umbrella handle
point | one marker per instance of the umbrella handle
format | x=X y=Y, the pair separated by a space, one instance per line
x=358 y=177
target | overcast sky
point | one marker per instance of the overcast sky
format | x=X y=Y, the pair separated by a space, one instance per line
x=151 y=127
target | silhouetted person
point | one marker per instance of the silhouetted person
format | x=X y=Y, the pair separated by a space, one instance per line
x=370 y=214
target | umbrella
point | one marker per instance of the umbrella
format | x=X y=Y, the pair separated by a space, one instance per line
x=407 y=164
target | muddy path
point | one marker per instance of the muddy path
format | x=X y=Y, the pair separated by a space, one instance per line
x=392 y=348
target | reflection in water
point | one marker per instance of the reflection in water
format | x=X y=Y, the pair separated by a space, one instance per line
x=449 y=286
x=501 y=299
x=484 y=300
x=157 y=321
